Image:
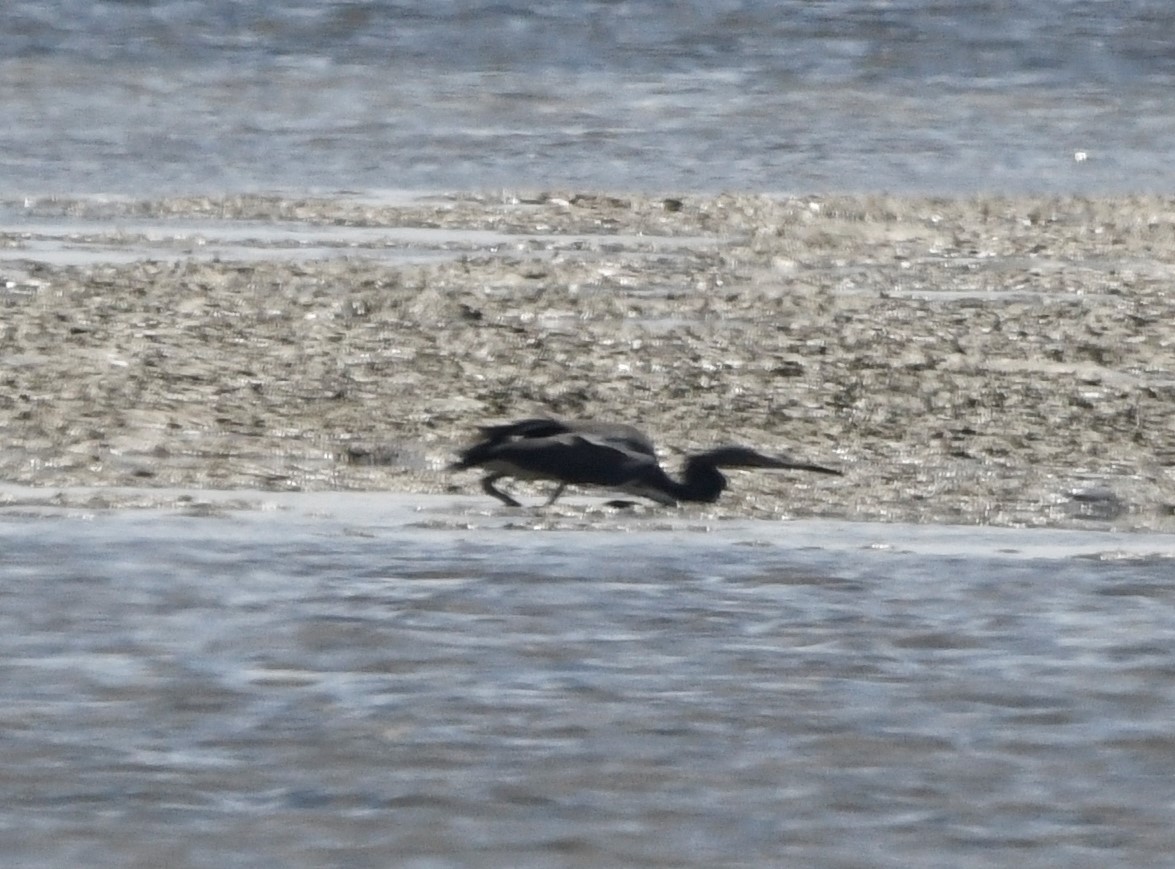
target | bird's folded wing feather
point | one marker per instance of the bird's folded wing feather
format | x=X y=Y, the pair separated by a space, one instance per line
x=576 y=459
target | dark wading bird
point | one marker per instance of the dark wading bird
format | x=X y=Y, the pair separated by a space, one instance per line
x=612 y=455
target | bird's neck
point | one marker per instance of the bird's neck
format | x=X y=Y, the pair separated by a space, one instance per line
x=701 y=481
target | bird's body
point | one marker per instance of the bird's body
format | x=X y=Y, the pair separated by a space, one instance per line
x=610 y=455
x=538 y=428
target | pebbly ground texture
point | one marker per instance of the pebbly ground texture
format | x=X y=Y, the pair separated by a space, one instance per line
x=987 y=360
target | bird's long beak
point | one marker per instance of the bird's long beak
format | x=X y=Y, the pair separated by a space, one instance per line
x=788 y=463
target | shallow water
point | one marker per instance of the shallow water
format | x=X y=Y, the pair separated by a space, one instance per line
x=908 y=96
x=103 y=240
x=343 y=679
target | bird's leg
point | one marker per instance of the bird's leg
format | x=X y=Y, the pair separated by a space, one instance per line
x=558 y=491
x=487 y=486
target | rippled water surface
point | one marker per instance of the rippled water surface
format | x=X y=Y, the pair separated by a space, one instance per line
x=352 y=680
x=165 y=96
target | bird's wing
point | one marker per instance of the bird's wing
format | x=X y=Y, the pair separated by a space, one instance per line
x=629 y=437
x=574 y=458
x=536 y=427
x=493 y=437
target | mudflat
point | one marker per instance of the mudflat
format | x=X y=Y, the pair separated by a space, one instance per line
x=994 y=360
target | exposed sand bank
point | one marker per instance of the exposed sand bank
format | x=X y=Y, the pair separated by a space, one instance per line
x=1005 y=361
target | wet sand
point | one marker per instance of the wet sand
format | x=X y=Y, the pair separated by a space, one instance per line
x=986 y=360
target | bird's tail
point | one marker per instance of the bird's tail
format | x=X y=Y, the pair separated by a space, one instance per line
x=472 y=456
